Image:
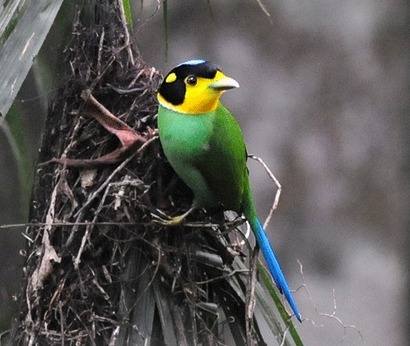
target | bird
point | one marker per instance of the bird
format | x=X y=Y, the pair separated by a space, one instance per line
x=204 y=144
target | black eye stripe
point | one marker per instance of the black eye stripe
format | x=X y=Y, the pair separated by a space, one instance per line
x=173 y=92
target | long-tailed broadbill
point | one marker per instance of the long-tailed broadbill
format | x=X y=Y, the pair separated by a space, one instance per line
x=204 y=144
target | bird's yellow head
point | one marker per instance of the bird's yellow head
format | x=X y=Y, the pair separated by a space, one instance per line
x=194 y=87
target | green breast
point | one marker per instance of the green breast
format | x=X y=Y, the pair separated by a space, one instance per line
x=207 y=151
x=184 y=137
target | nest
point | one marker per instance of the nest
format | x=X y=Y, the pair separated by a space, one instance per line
x=99 y=270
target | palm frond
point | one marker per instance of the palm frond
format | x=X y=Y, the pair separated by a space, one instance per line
x=23 y=29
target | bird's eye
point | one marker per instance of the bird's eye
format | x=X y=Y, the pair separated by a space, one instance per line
x=191 y=80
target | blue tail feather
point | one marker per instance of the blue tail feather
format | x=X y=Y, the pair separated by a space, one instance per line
x=273 y=265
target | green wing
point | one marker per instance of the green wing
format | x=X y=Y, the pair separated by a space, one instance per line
x=223 y=165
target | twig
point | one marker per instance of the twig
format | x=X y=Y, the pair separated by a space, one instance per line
x=111 y=176
x=284 y=336
x=250 y=297
x=112 y=223
x=93 y=222
x=80 y=250
x=278 y=187
x=264 y=10
x=331 y=315
x=100 y=48
x=126 y=32
x=99 y=112
x=114 y=336
x=89 y=228
x=44 y=266
x=49 y=254
x=339 y=320
x=60 y=310
x=94 y=195
x=60 y=224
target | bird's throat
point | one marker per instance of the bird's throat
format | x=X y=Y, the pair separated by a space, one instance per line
x=193 y=105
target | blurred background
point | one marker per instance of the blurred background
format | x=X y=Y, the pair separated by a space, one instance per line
x=324 y=101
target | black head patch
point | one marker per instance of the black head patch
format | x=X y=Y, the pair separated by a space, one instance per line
x=174 y=91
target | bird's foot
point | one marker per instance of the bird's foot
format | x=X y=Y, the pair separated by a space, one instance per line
x=171 y=221
x=166 y=220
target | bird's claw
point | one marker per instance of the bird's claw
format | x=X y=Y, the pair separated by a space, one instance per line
x=172 y=221
x=167 y=220
x=150 y=132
